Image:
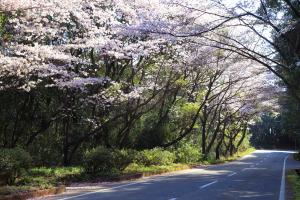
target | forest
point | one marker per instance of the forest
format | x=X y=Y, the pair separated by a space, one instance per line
x=103 y=86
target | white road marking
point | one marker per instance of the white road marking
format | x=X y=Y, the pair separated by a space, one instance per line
x=97 y=191
x=282 y=185
x=248 y=169
x=206 y=185
x=231 y=174
x=173 y=199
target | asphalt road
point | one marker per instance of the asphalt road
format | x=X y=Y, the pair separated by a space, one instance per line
x=257 y=176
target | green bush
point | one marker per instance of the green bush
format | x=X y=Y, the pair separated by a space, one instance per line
x=187 y=154
x=104 y=160
x=154 y=156
x=13 y=163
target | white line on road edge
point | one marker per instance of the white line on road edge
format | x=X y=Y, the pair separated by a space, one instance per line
x=282 y=185
x=88 y=193
x=232 y=174
x=173 y=199
x=204 y=186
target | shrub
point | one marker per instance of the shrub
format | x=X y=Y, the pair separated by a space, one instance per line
x=187 y=154
x=154 y=156
x=104 y=160
x=13 y=163
x=151 y=137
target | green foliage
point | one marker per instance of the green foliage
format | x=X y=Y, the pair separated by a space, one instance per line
x=3 y=20
x=267 y=132
x=290 y=121
x=44 y=177
x=154 y=169
x=294 y=181
x=211 y=158
x=55 y=171
x=189 y=109
x=187 y=153
x=13 y=163
x=153 y=134
x=155 y=156
x=184 y=113
x=245 y=144
x=103 y=160
x=181 y=82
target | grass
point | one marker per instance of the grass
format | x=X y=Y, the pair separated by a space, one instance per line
x=294 y=180
x=46 y=178
x=49 y=177
x=239 y=154
x=42 y=178
x=135 y=168
x=229 y=158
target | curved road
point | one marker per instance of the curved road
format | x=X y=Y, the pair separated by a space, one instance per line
x=257 y=176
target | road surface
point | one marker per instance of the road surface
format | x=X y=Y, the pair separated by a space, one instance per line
x=257 y=176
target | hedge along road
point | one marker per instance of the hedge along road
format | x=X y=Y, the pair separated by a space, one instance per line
x=259 y=175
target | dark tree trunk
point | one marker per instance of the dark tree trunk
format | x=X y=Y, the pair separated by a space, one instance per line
x=66 y=143
x=231 y=149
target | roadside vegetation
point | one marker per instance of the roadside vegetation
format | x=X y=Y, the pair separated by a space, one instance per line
x=98 y=90
x=139 y=164
x=294 y=180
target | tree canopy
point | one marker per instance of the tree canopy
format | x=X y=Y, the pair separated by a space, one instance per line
x=141 y=74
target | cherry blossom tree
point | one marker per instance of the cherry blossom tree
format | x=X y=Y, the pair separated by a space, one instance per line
x=116 y=73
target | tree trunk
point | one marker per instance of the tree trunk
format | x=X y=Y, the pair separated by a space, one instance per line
x=231 y=149
x=203 y=133
x=66 y=143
